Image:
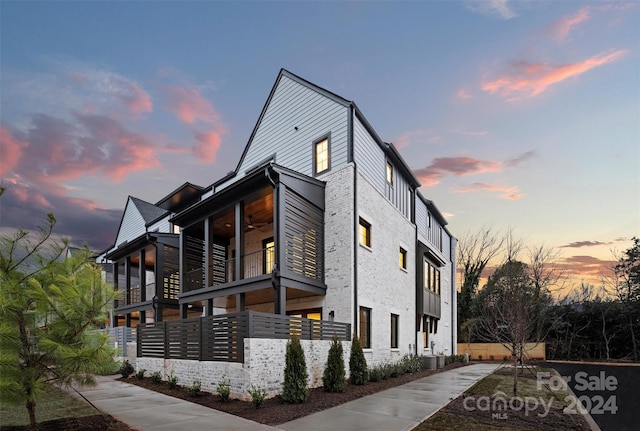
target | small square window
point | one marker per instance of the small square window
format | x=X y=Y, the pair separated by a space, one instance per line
x=321 y=155
x=403 y=258
x=394 y=330
x=365 y=327
x=389 y=173
x=365 y=233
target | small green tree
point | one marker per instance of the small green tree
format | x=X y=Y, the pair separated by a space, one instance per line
x=357 y=363
x=49 y=312
x=294 y=388
x=333 y=377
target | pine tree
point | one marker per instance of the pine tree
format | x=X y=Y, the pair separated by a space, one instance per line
x=49 y=312
x=333 y=377
x=357 y=363
x=294 y=388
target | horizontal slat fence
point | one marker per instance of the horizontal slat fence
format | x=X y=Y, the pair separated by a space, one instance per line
x=221 y=337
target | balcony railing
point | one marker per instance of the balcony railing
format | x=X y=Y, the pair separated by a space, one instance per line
x=222 y=271
x=221 y=337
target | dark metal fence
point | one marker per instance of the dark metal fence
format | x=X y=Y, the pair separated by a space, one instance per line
x=221 y=337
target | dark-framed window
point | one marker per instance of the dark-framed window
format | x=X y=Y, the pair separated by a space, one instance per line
x=431 y=277
x=425 y=332
x=309 y=313
x=321 y=155
x=395 y=324
x=365 y=327
x=403 y=258
x=268 y=255
x=389 y=173
x=365 y=232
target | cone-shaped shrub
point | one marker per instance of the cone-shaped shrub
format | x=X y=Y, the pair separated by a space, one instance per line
x=294 y=388
x=333 y=377
x=357 y=363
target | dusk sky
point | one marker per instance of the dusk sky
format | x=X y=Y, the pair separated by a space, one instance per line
x=520 y=114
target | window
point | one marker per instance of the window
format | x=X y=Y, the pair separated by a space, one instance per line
x=389 y=173
x=321 y=155
x=394 y=330
x=440 y=238
x=268 y=255
x=403 y=258
x=429 y=220
x=312 y=313
x=431 y=277
x=365 y=232
x=425 y=332
x=365 y=327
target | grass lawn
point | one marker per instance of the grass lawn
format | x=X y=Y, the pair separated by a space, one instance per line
x=475 y=409
x=54 y=404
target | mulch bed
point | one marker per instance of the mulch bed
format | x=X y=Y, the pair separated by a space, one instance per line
x=85 y=423
x=275 y=411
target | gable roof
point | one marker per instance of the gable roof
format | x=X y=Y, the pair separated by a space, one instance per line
x=181 y=197
x=388 y=149
x=149 y=212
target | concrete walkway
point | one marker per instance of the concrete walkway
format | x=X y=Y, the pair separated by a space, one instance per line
x=147 y=410
x=396 y=409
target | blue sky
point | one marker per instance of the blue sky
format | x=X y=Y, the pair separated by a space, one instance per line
x=516 y=114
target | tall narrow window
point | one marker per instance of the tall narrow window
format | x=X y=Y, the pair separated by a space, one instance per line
x=321 y=156
x=268 y=255
x=394 y=330
x=425 y=332
x=440 y=238
x=429 y=220
x=365 y=232
x=389 y=173
x=365 y=327
x=403 y=258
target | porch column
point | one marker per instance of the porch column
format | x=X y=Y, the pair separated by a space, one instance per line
x=240 y=302
x=209 y=307
x=280 y=296
x=183 y=310
x=208 y=239
x=115 y=283
x=142 y=274
x=127 y=320
x=158 y=293
x=239 y=263
x=143 y=317
x=127 y=281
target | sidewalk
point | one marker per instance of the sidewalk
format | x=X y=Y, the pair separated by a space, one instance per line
x=147 y=410
x=396 y=409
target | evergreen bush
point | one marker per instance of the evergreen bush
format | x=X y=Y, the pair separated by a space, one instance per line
x=294 y=388
x=357 y=363
x=333 y=377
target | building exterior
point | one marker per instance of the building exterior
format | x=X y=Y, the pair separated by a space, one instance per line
x=321 y=219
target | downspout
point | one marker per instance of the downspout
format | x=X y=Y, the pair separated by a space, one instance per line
x=355 y=224
x=454 y=305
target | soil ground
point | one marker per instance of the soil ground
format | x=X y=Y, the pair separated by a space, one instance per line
x=85 y=423
x=274 y=410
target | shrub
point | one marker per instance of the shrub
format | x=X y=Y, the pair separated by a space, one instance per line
x=172 y=380
x=411 y=363
x=156 y=377
x=333 y=377
x=294 y=387
x=396 y=369
x=479 y=357
x=491 y=357
x=258 y=395
x=453 y=358
x=357 y=363
x=140 y=374
x=195 y=389
x=224 y=389
x=375 y=374
x=126 y=369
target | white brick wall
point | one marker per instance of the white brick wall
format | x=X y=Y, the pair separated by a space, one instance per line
x=264 y=366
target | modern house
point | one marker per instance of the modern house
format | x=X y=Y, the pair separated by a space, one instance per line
x=320 y=220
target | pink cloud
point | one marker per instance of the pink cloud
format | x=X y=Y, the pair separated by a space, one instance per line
x=207 y=145
x=561 y=28
x=586 y=265
x=530 y=79
x=412 y=137
x=12 y=151
x=463 y=95
x=135 y=98
x=509 y=193
x=189 y=105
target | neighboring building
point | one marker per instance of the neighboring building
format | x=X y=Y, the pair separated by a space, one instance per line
x=320 y=219
x=149 y=290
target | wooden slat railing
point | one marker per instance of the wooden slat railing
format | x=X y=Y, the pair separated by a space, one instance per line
x=221 y=337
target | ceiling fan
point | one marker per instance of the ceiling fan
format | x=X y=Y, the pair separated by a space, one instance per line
x=251 y=225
